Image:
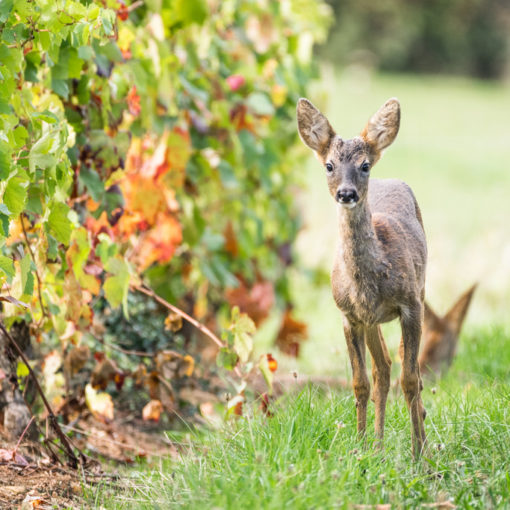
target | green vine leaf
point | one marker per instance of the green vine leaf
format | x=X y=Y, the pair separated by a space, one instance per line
x=59 y=224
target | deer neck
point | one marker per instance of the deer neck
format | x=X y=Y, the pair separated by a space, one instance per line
x=360 y=247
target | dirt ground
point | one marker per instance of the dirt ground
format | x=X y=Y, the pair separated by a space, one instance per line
x=39 y=487
x=32 y=480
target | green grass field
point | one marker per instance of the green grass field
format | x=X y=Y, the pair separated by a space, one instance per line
x=453 y=149
x=307 y=456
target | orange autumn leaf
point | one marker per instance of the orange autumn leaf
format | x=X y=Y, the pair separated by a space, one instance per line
x=96 y=226
x=152 y=410
x=144 y=196
x=231 y=244
x=167 y=159
x=159 y=243
x=173 y=322
x=133 y=102
x=272 y=363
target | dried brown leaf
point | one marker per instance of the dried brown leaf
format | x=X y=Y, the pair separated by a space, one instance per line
x=292 y=333
x=104 y=372
x=173 y=322
x=256 y=301
x=76 y=358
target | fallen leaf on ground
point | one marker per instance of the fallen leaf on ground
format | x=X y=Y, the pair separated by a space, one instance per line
x=12 y=456
x=152 y=410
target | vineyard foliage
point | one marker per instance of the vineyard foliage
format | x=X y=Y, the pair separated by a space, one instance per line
x=152 y=141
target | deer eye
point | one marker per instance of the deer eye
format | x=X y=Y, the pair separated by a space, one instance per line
x=365 y=167
x=329 y=168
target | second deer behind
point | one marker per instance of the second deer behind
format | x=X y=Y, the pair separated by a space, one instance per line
x=379 y=268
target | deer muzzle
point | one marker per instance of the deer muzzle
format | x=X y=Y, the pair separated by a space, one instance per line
x=347 y=197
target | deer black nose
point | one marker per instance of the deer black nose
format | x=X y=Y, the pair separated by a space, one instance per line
x=347 y=195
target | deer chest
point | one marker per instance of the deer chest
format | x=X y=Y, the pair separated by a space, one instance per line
x=363 y=295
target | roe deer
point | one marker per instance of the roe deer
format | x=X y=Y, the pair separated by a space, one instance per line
x=441 y=335
x=379 y=270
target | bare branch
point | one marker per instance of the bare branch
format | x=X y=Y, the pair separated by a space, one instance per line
x=201 y=327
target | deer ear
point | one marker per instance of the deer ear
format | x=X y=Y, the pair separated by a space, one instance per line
x=382 y=128
x=314 y=129
x=458 y=311
x=431 y=322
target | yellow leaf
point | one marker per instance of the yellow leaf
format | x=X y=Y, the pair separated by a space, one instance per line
x=100 y=404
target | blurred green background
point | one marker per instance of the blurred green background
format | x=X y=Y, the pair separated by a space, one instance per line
x=447 y=62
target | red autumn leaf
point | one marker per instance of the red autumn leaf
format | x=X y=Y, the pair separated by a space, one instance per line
x=264 y=404
x=256 y=301
x=291 y=334
x=272 y=363
x=235 y=82
x=123 y=12
x=133 y=102
x=99 y=356
x=28 y=48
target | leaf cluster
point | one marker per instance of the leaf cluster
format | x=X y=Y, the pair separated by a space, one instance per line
x=154 y=140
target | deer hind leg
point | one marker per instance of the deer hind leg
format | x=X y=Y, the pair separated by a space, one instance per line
x=410 y=379
x=355 y=338
x=381 y=369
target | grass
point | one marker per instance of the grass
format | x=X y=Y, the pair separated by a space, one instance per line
x=308 y=456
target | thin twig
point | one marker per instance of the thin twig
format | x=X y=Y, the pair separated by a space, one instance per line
x=201 y=327
x=23 y=435
x=141 y=354
x=134 y=5
x=35 y=264
x=204 y=329
x=73 y=460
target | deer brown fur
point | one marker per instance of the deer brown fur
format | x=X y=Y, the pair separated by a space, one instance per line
x=379 y=269
x=441 y=335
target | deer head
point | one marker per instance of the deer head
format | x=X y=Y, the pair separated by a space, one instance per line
x=348 y=162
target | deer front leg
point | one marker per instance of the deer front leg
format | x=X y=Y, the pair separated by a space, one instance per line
x=355 y=338
x=410 y=379
x=381 y=369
